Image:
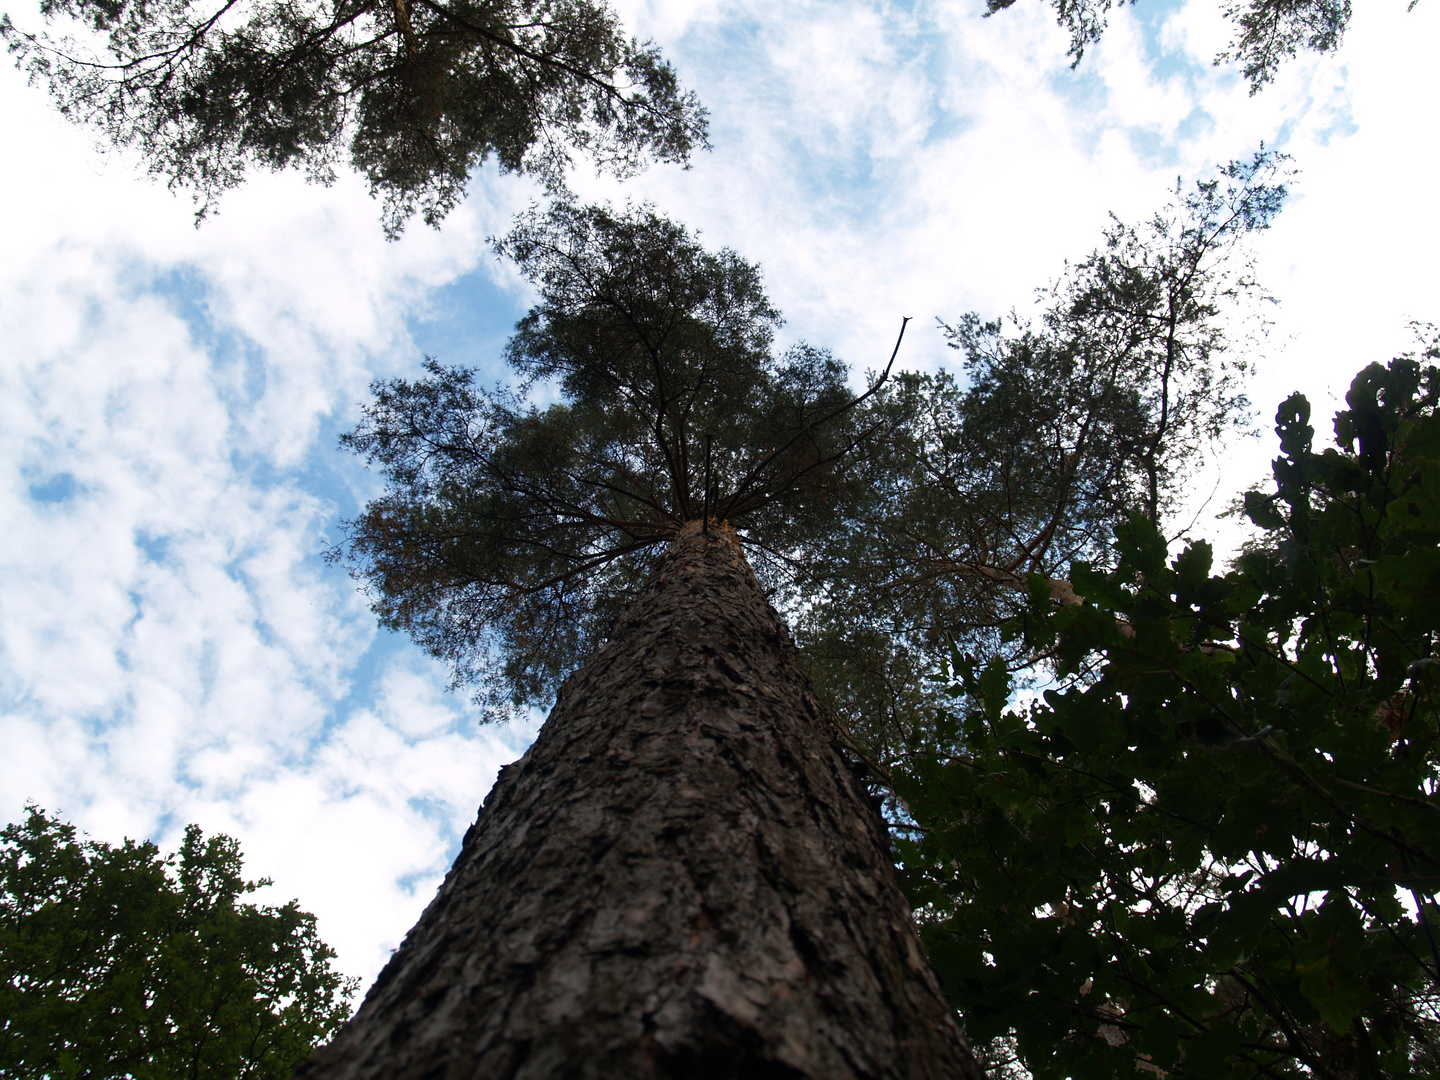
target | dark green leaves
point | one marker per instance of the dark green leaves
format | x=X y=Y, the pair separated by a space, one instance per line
x=1213 y=846
x=418 y=93
x=116 y=962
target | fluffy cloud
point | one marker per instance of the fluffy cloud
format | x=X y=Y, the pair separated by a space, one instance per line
x=172 y=646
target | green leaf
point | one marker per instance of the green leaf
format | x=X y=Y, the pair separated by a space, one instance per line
x=115 y=961
x=1325 y=962
x=1211 y=1051
x=1260 y=509
x=1160 y=1039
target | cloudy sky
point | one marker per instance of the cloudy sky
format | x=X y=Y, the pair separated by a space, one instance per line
x=172 y=646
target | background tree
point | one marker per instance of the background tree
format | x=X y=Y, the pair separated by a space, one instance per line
x=418 y=92
x=1213 y=848
x=1064 y=426
x=682 y=877
x=1267 y=32
x=118 y=962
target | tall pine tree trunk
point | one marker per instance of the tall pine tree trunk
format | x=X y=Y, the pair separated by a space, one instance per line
x=681 y=878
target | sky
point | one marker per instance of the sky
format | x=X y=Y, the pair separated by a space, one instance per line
x=173 y=646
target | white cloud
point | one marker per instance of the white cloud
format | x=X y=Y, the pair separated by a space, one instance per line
x=1198 y=28
x=171 y=646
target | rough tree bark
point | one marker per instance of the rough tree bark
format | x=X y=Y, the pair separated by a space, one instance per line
x=680 y=878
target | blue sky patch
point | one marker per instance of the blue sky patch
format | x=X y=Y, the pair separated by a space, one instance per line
x=58 y=488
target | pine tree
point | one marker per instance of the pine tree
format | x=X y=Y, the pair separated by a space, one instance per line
x=418 y=92
x=1061 y=427
x=1267 y=32
x=683 y=876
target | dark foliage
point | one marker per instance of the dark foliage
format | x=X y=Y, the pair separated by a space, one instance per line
x=512 y=535
x=1063 y=428
x=1085 y=19
x=1212 y=848
x=118 y=963
x=1267 y=32
x=419 y=92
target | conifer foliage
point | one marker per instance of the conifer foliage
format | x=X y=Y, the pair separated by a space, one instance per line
x=513 y=534
x=1064 y=424
x=1267 y=32
x=419 y=93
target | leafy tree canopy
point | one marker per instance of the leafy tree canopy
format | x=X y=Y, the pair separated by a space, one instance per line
x=420 y=92
x=1212 y=847
x=1267 y=32
x=513 y=532
x=118 y=962
x=1063 y=426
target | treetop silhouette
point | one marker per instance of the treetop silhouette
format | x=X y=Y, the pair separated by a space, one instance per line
x=513 y=533
x=1267 y=32
x=417 y=93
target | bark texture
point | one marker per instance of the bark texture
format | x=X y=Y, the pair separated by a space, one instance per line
x=680 y=878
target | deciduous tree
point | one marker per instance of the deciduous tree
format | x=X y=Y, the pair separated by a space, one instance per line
x=117 y=962
x=1213 y=847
